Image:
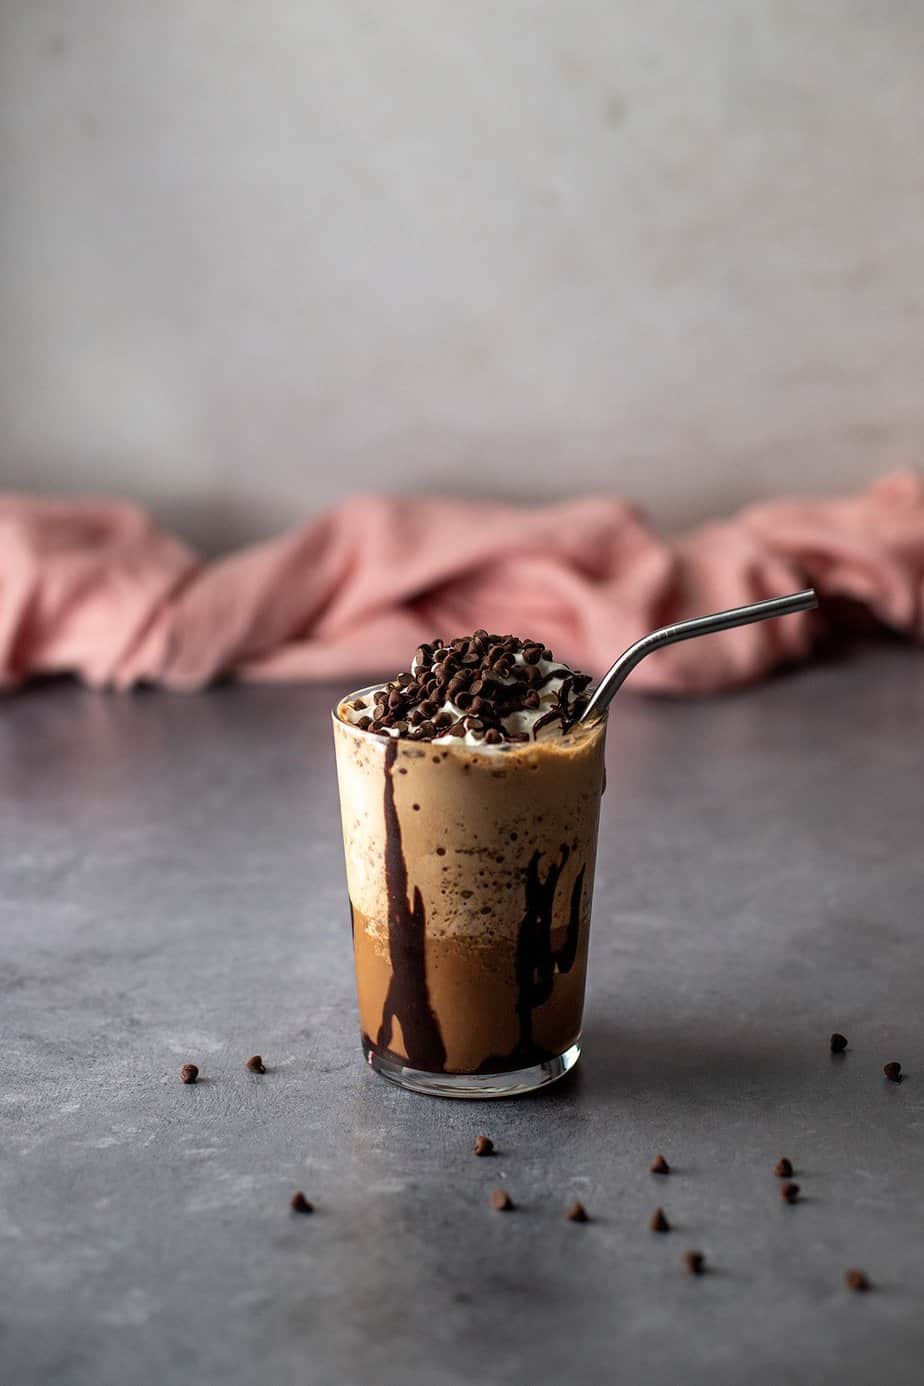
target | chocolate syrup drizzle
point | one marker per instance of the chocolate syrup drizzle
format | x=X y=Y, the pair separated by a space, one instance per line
x=408 y=996
x=536 y=961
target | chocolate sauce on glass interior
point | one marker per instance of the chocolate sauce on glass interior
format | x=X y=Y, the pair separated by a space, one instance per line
x=408 y=996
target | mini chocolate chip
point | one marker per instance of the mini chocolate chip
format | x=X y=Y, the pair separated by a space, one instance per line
x=659 y=1165
x=424 y=654
x=547 y=655
x=532 y=699
x=694 y=1261
x=789 y=1193
x=364 y=723
x=427 y=730
x=299 y=1203
x=484 y=1146
x=357 y=704
x=442 y=720
x=189 y=1073
x=492 y=737
x=855 y=1279
x=532 y=654
x=255 y=1064
x=783 y=1168
x=463 y=700
x=838 y=1043
x=501 y=1200
x=415 y=717
x=577 y=1212
x=893 y=1071
x=659 y=1222
x=395 y=699
x=429 y=708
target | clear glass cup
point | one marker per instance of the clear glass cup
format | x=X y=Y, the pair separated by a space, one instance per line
x=470 y=874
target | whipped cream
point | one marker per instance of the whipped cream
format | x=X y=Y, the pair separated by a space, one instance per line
x=552 y=674
x=525 y=719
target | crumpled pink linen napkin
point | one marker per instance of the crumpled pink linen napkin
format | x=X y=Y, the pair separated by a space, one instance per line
x=96 y=589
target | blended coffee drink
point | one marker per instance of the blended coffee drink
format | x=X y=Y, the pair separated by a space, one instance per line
x=470 y=801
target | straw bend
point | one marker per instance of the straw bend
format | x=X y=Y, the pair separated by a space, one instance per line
x=616 y=676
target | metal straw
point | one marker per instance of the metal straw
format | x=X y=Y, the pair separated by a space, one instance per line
x=615 y=677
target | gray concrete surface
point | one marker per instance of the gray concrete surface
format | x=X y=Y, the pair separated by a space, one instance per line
x=172 y=889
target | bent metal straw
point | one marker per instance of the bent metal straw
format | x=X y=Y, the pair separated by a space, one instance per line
x=616 y=676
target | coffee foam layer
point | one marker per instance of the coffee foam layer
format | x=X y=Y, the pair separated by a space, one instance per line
x=471 y=821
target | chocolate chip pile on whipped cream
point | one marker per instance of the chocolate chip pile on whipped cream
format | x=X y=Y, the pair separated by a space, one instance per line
x=485 y=689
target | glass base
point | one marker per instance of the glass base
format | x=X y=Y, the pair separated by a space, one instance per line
x=474 y=1085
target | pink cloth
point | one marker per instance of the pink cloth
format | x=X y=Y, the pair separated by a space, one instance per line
x=96 y=589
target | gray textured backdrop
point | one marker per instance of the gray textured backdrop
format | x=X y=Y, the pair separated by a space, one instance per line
x=255 y=256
